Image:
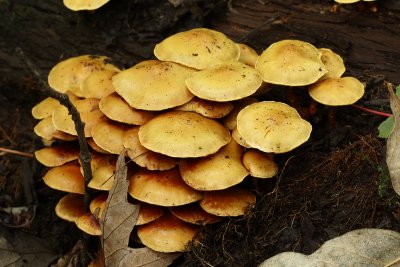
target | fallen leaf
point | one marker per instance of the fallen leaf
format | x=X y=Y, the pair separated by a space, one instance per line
x=386 y=127
x=117 y=221
x=363 y=247
x=22 y=249
x=393 y=142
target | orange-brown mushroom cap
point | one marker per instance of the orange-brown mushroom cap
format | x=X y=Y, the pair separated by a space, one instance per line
x=163 y=188
x=167 y=234
x=67 y=178
x=57 y=155
x=70 y=207
x=193 y=213
x=89 y=224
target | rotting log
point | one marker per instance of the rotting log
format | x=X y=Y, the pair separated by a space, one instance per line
x=127 y=31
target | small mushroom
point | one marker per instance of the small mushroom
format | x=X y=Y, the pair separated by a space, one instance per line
x=163 y=188
x=224 y=82
x=291 y=62
x=259 y=164
x=248 y=55
x=183 y=134
x=98 y=84
x=272 y=127
x=66 y=178
x=103 y=169
x=198 y=48
x=109 y=135
x=89 y=224
x=333 y=63
x=57 y=155
x=45 y=108
x=167 y=234
x=77 y=5
x=70 y=207
x=209 y=109
x=194 y=214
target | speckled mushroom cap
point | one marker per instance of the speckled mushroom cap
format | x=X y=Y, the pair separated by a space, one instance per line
x=68 y=75
x=333 y=63
x=259 y=164
x=198 y=48
x=193 y=213
x=248 y=55
x=233 y=201
x=224 y=82
x=88 y=110
x=57 y=155
x=272 y=127
x=77 y=5
x=98 y=84
x=103 y=169
x=70 y=207
x=154 y=86
x=109 y=135
x=144 y=157
x=163 y=188
x=45 y=108
x=167 y=234
x=239 y=139
x=217 y=171
x=67 y=178
x=291 y=62
x=183 y=134
x=337 y=92
x=209 y=109
x=116 y=109
x=89 y=224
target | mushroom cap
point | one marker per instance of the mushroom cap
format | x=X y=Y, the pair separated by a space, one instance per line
x=99 y=203
x=163 y=188
x=227 y=81
x=89 y=224
x=95 y=147
x=88 y=110
x=209 y=109
x=259 y=164
x=57 y=155
x=98 y=84
x=183 y=134
x=116 y=109
x=291 y=62
x=45 y=108
x=77 y=5
x=248 y=55
x=198 y=48
x=67 y=178
x=149 y=213
x=333 y=63
x=45 y=128
x=337 y=92
x=230 y=120
x=103 y=169
x=154 y=86
x=167 y=234
x=68 y=75
x=70 y=207
x=239 y=139
x=109 y=135
x=233 y=201
x=217 y=171
x=193 y=213
x=144 y=157
x=262 y=126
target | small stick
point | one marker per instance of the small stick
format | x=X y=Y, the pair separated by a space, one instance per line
x=372 y=111
x=16 y=152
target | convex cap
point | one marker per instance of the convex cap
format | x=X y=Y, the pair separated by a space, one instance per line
x=337 y=92
x=272 y=127
x=291 y=62
x=183 y=134
x=198 y=48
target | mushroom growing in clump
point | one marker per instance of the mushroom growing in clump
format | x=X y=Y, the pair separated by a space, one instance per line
x=77 y=5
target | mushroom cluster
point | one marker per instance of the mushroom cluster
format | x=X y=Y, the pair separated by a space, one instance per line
x=190 y=122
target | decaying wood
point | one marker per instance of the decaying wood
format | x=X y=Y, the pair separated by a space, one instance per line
x=125 y=30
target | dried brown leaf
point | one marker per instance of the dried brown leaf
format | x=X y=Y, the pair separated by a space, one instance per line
x=393 y=142
x=363 y=247
x=117 y=222
x=22 y=249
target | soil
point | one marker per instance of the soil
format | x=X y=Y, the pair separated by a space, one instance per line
x=336 y=182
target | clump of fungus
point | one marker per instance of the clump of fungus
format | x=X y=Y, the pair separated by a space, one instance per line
x=77 y=5
x=191 y=124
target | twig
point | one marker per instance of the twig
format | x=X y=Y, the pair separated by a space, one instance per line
x=84 y=154
x=372 y=111
x=16 y=152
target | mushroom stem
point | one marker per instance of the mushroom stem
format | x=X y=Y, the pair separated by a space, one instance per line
x=372 y=111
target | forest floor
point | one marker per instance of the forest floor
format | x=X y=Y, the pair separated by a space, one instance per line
x=336 y=182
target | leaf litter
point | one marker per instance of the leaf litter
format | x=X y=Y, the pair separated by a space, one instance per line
x=117 y=221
